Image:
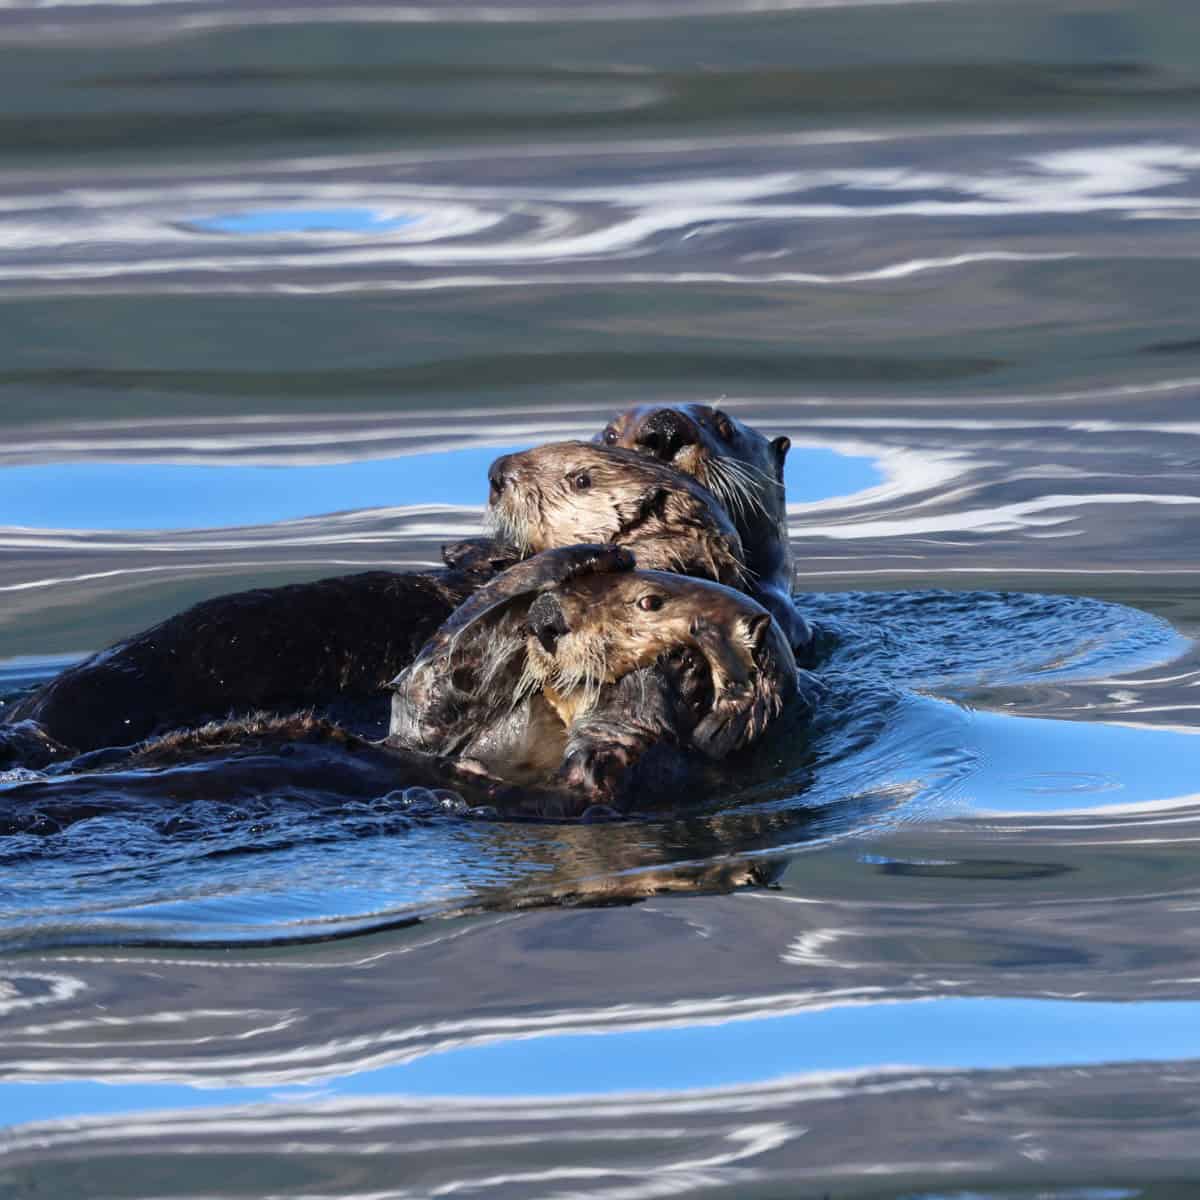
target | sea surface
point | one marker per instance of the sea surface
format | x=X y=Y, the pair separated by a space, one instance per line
x=279 y=279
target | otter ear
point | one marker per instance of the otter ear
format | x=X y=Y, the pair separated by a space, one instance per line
x=779 y=449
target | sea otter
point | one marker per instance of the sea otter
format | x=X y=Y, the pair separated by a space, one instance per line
x=576 y=492
x=334 y=644
x=569 y=681
x=744 y=470
x=572 y=666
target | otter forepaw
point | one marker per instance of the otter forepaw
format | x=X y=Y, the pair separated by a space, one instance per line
x=597 y=772
x=598 y=559
x=480 y=556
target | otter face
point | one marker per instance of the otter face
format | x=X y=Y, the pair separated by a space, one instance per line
x=597 y=629
x=571 y=492
x=736 y=463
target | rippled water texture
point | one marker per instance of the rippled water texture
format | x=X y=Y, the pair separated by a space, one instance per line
x=278 y=280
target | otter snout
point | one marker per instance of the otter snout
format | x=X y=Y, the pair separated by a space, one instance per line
x=665 y=432
x=546 y=621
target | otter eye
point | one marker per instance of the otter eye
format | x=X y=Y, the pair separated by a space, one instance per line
x=610 y=436
x=650 y=603
x=581 y=481
x=724 y=428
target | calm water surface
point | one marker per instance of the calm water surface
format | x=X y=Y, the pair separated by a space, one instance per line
x=278 y=280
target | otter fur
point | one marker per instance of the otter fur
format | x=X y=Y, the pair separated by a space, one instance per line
x=573 y=664
x=744 y=471
x=567 y=493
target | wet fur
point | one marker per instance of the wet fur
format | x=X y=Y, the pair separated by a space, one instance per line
x=333 y=645
x=623 y=681
x=745 y=473
x=670 y=524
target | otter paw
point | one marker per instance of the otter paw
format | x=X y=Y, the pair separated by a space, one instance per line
x=479 y=556
x=596 y=560
x=596 y=771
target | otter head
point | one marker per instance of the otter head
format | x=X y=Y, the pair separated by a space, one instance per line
x=569 y=492
x=743 y=469
x=727 y=656
x=467 y=675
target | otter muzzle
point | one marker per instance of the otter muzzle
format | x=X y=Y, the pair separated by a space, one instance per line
x=546 y=621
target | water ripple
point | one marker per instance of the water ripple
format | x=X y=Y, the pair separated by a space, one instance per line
x=668 y=221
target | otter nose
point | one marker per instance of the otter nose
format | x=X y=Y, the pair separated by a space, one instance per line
x=546 y=621
x=664 y=433
x=498 y=474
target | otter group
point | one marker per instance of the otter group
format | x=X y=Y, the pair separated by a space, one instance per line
x=629 y=626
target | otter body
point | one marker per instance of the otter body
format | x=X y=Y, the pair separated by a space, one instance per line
x=665 y=690
x=570 y=668
x=568 y=681
x=332 y=645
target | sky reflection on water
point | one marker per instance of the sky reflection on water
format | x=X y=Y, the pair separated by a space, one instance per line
x=958 y=238
x=939 y=1033
x=1033 y=765
x=134 y=495
x=303 y=220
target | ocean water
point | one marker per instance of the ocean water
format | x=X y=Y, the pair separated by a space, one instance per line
x=278 y=280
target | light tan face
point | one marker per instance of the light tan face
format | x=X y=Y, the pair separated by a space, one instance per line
x=577 y=492
x=617 y=624
x=565 y=493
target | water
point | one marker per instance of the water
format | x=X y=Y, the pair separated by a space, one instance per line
x=277 y=280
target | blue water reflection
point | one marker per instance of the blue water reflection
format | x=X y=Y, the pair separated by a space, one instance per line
x=1034 y=765
x=940 y=1033
x=125 y=495
x=303 y=220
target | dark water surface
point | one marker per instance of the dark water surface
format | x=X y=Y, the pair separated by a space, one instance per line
x=278 y=279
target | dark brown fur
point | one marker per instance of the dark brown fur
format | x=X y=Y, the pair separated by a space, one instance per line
x=575 y=671
x=744 y=470
x=332 y=642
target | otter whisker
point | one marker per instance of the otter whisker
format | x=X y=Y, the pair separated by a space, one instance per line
x=755 y=473
x=512 y=526
x=736 y=486
x=731 y=492
x=529 y=681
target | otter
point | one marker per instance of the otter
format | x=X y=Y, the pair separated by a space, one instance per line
x=744 y=470
x=332 y=645
x=576 y=492
x=572 y=666
x=571 y=680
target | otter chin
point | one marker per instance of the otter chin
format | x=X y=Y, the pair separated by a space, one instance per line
x=578 y=492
